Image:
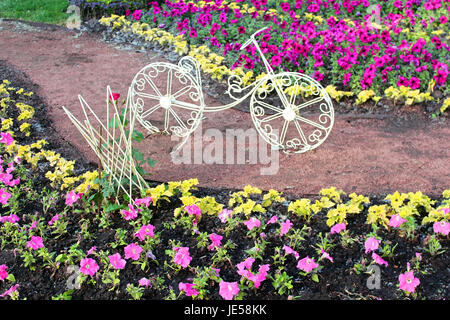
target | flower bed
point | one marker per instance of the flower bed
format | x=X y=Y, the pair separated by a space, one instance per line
x=63 y=235
x=366 y=51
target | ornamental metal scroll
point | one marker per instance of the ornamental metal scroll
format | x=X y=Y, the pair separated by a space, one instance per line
x=290 y=110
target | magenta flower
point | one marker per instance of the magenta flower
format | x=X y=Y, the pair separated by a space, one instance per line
x=182 y=257
x=289 y=250
x=325 y=255
x=272 y=220
x=225 y=214
x=3 y=272
x=10 y=291
x=285 y=227
x=4 y=196
x=144 y=282
x=144 y=231
x=193 y=210
x=54 y=219
x=6 y=138
x=35 y=243
x=216 y=241
x=252 y=222
x=116 y=261
x=371 y=244
x=442 y=227
x=379 y=260
x=88 y=266
x=91 y=250
x=144 y=201
x=132 y=251
x=307 y=264
x=188 y=289
x=408 y=282
x=337 y=228
x=12 y=218
x=228 y=290
x=396 y=221
x=129 y=214
x=72 y=197
x=260 y=276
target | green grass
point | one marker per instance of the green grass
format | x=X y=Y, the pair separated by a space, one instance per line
x=48 y=11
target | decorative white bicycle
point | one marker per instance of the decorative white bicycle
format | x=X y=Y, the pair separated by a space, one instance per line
x=290 y=110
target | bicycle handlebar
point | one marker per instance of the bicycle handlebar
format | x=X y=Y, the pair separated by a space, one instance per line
x=252 y=38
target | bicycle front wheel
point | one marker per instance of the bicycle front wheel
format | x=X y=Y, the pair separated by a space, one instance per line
x=292 y=112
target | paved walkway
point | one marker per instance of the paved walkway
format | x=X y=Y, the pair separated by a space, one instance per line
x=367 y=156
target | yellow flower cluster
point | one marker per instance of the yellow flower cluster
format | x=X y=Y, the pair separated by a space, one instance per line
x=337 y=94
x=210 y=62
x=365 y=95
x=445 y=105
x=410 y=96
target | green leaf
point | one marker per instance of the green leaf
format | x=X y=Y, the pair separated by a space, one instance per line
x=151 y=162
x=315 y=277
x=113 y=207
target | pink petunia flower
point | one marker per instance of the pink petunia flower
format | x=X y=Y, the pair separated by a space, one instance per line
x=224 y=215
x=10 y=291
x=252 y=222
x=144 y=282
x=272 y=220
x=307 y=264
x=182 y=257
x=408 y=282
x=35 y=243
x=188 y=289
x=144 y=201
x=285 y=227
x=379 y=260
x=442 y=227
x=216 y=241
x=228 y=290
x=116 y=261
x=144 y=231
x=396 y=221
x=129 y=214
x=133 y=251
x=4 y=196
x=325 y=255
x=88 y=266
x=193 y=210
x=91 y=250
x=72 y=197
x=6 y=138
x=371 y=244
x=54 y=219
x=3 y=272
x=289 y=250
x=337 y=228
x=12 y=218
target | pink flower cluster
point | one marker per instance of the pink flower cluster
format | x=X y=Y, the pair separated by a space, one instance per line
x=244 y=269
x=182 y=257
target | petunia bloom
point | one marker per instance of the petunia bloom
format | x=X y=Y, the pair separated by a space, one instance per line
x=144 y=231
x=289 y=250
x=307 y=264
x=379 y=260
x=188 y=289
x=408 y=282
x=228 y=290
x=442 y=227
x=182 y=257
x=144 y=282
x=144 y=201
x=88 y=266
x=337 y=228
x=133 y=251
x=35 y=243
x=116 y=261
x=72 y=197
x=129 y=214
x=285 y=227
x=252 y=222
x=6 y=138
x=396 y=221
x=4 y=196
x=371 y=244
x=3 y=272
x=216 y=241
x=224 y=215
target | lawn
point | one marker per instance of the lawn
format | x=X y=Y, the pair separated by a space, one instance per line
x=47 y=11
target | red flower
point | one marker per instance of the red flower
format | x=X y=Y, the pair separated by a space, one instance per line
x=115 y=96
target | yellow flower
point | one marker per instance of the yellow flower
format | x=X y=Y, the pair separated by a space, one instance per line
x=25 y=128
x=7 y=123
